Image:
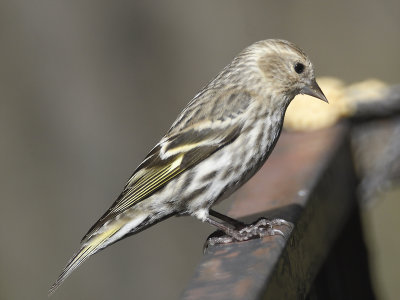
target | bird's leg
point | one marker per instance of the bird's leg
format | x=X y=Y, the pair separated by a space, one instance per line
x=240 y=231
x=235 y=223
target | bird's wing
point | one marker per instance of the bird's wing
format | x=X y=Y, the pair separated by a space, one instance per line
x=172 y=156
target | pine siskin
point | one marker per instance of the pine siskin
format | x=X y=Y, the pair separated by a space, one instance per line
x=220 y=140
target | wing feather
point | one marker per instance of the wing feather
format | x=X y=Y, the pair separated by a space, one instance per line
x=178 y=151
x=181 y=152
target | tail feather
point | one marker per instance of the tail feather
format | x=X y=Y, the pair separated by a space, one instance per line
x=103 y=237
x=93 y=245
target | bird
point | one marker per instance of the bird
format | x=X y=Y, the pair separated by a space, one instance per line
x=217 y=143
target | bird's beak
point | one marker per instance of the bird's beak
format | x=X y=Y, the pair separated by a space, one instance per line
x=314 y=90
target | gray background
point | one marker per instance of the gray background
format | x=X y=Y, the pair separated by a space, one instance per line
x=88 y=87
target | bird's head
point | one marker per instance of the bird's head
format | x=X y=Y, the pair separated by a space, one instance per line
x=286 y=68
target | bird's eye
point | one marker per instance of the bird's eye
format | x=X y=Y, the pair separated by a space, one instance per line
x=299 y=68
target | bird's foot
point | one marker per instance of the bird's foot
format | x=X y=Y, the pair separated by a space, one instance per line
x=261 y=228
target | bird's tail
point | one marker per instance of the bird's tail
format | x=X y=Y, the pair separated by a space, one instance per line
x=99 y=240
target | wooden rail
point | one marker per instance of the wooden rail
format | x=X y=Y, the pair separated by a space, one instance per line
x=309 y=181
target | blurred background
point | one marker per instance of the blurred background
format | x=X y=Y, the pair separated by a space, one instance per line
x=88 y=87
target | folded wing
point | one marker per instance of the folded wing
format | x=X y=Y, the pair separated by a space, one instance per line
x=172 y=156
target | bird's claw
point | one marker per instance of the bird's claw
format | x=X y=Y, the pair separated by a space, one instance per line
x=261 y=228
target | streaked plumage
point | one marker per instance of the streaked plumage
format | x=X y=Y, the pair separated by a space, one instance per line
x=217 y=143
